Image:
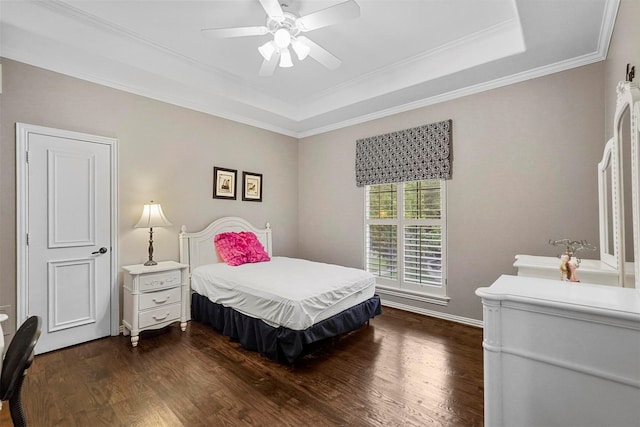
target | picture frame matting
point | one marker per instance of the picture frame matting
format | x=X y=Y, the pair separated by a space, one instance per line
x=251 y=187
x=224 y=183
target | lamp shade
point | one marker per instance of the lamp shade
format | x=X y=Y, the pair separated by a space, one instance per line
x=152 y=216
x=267 y=50
x=285 y=58
x=301 y=49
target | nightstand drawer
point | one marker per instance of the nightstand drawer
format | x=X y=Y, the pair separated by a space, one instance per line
x=165 y=279
x=159 y=315
x=159 y=298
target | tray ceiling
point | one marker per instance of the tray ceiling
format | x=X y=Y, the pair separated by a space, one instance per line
x=397 y=55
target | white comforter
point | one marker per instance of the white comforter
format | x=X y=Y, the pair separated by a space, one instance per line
x=288 y=292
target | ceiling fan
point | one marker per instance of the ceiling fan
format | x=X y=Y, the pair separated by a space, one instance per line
x=285 y=24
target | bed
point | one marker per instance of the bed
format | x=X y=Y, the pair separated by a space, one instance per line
x=281 y=307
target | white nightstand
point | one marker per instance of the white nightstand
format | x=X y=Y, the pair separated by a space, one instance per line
x=154 y=297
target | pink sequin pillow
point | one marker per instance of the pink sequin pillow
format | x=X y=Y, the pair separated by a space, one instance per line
x=254 y=250
x=230 y=247
x=240 y=248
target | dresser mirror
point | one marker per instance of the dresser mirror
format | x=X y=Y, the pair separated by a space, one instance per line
x=618 y=185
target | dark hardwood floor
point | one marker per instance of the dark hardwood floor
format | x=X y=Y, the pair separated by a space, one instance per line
x=402 y=370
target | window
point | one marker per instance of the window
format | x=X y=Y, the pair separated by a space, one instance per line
x=405 y=235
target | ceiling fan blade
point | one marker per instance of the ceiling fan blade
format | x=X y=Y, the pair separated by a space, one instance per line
x=320 y=54
x=273 y=9
x=329 y=16
x=221 y=33
x=268 y=67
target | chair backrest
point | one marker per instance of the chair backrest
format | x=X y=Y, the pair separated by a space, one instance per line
x=19 y=356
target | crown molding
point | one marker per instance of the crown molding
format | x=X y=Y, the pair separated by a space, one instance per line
x=606 y=26
x=497 y=42
x=459 y=93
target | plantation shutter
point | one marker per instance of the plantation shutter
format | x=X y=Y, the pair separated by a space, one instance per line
x=381 y=238
x=415 y=154
x=422 y=238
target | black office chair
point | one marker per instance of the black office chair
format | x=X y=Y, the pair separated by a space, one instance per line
x=17 y=360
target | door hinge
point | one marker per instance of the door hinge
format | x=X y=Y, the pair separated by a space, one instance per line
x=27 y=157
x=27 y=239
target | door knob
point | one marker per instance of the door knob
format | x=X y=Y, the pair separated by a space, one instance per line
x=102 y=250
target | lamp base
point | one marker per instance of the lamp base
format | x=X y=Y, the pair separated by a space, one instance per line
x=150 y=261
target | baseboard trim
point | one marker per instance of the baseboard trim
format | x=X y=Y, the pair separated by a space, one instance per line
x=453 y=318
x=431 y=299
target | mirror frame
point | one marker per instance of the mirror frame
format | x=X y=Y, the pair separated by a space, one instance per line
x=628 y=100
x=604 y=195
x=635 y=170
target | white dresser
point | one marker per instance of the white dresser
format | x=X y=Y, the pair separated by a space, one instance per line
x=560 y=354
x=154 y=297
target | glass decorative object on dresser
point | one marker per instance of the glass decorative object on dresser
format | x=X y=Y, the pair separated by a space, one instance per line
x=569 y=259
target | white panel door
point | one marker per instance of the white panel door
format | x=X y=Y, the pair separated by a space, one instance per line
x=69 y=239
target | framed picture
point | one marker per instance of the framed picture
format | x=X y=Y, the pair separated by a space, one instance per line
x=252 y=186
x=224 y=183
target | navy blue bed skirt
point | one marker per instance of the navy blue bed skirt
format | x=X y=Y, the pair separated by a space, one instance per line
x=280 y=344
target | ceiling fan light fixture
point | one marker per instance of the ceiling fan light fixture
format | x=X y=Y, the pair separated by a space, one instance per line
x=285 y=25
x=285 y=58
x=267 y=50
x=282 y=38
x=301 y=49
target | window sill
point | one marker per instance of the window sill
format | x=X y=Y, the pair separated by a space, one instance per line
x=423 y=297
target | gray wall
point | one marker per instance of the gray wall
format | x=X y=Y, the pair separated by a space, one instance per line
x=524 y=171
x=166 y=154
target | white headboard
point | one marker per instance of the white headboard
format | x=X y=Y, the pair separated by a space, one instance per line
x=197 y=248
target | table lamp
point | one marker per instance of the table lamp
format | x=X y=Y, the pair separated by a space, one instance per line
x=152 y=216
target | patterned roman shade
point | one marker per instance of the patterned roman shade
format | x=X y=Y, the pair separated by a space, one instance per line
x=423 y=152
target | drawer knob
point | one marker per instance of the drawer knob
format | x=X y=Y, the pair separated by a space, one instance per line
x=163 y=301
x=161 y=318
